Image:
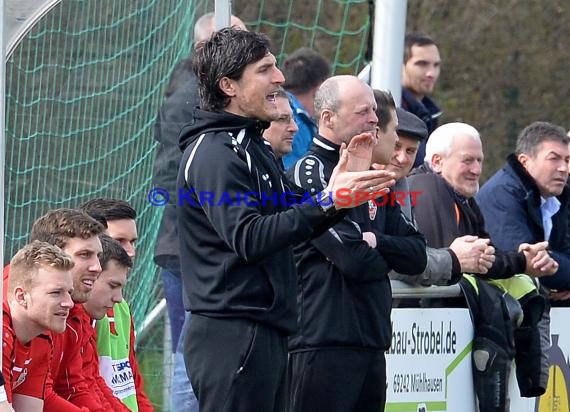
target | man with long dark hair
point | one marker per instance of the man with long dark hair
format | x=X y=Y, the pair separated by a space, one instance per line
x=236 y=250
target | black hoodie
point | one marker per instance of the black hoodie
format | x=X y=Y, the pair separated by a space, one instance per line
x=236 y=250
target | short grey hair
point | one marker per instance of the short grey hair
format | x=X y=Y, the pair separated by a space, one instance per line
x=441 y=139
x=327 y=96
x=536 y=133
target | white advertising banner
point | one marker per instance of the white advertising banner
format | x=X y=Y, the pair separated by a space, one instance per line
x=429 y=356
x=429 y=364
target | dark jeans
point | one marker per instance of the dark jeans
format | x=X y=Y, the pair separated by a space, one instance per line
x=172 y=286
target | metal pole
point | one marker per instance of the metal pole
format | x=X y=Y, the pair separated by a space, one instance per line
x=42 y=8
x=168 y=365
x=223 y=11
x=403 y=290
x=150 y=321
x=11 y=33
x=388 y=48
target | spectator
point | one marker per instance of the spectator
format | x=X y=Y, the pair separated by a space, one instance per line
x=448 y=181
x=280 y=133
x=532 y=187
x=38 y=298
x=236 y=257
x=447 y=209
x=304 y=70
x=466 y=254
x=116 y=330
x=181 y=98
x=420 y=73
x=527 y=200
x=343 y=288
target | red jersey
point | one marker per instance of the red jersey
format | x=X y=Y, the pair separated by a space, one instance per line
x=74 y=375
x=23 y=372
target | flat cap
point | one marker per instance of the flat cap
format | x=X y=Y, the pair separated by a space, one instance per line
x=410 y=125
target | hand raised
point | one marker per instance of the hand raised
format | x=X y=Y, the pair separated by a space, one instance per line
x=360 y=151
x=350 y=189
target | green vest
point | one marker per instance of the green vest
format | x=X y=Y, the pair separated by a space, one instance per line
x=113 y=346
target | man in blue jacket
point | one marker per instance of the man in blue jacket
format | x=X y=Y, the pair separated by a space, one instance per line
x=527 y=200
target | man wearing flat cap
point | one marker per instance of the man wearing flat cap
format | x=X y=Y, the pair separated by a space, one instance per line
x=444 y=265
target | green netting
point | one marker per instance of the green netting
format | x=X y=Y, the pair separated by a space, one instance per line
x=337 y=29
x=82 y=92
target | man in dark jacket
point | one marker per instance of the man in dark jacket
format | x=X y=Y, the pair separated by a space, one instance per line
x=449 y=180
x=527 y=201
x=237 y=226
x=466 y=254
x=281 y=131
x=337 y=355
x=420 y=72
x=447 y=208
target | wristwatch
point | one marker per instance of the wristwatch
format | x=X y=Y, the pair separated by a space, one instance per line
x=326 y=203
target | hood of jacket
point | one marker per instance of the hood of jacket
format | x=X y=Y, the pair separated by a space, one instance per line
x=208 y=122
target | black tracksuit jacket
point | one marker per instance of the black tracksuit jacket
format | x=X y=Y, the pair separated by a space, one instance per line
x=236 y=250
x=344 y=293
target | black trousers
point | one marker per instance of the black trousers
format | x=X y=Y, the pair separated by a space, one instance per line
x=337 y=380
x=236 y=365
